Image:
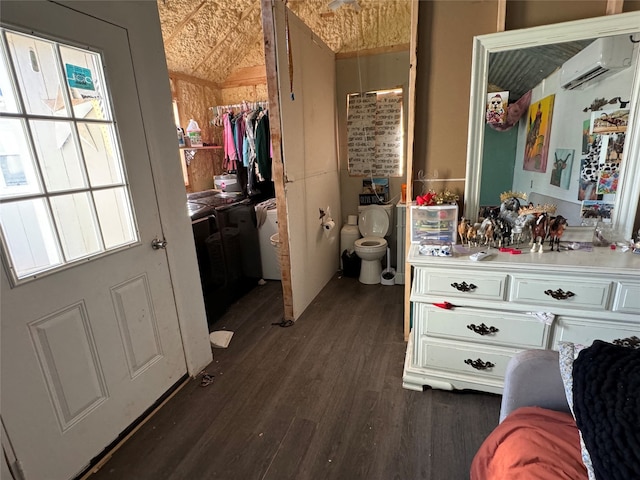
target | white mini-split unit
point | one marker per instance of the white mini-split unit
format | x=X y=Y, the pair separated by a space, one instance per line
x=600 y=59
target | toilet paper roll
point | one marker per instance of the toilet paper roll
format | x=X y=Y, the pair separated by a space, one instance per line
x=329 y=225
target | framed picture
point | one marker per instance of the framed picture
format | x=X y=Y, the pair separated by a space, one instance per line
x=497 y=104
x=611 y=121
x=536 y=147
x=561 y=172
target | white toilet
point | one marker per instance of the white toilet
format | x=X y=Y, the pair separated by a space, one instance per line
x=373 y=222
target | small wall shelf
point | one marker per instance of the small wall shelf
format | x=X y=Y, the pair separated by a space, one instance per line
x=189 y=152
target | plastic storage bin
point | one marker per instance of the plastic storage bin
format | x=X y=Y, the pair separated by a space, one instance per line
x=435 y=224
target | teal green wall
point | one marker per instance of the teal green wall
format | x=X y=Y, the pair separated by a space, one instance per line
x=498 y=161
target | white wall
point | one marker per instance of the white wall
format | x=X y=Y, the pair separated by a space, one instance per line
x=567 y=122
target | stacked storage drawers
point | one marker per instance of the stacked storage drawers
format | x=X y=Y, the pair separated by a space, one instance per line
x=497 y=311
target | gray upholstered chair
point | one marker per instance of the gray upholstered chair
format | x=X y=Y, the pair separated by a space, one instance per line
x=533 y=379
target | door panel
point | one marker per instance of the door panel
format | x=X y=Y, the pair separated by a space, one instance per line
x=87 y=349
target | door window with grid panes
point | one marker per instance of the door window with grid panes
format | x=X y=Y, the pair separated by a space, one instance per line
x=64 y=196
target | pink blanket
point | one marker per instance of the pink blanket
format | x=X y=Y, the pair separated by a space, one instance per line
x=532 y=443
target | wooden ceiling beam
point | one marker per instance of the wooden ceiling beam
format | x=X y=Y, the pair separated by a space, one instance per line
x=213 y=50
x=184 y=21
x=246 y=77
x=192 y=79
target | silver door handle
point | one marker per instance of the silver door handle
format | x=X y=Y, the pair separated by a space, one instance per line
x=157 y=244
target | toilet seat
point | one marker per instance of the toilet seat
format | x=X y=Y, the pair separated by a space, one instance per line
x=370 y=243
x=373 y=222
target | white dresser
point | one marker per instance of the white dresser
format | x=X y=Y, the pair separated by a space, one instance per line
x=497 y=305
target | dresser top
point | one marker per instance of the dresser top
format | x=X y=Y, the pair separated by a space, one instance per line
x=599 y=261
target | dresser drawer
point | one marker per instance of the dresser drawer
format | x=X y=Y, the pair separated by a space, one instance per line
x=584 y=332
x=471 y=284
x=581 y=293
x=481 y=326
x=627 y=298
x=490 y=363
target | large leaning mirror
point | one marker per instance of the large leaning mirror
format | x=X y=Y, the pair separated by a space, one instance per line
x=577 y=142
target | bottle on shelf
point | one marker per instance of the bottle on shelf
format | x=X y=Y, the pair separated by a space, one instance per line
x=181 y=142
x=194 y=134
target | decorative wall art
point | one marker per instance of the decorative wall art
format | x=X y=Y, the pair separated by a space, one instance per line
x=536 y=147
x=596 y=209
x=610 y=121
x=590 y=170
x=374 y=133
x=497 y=106
x=561 y=172
x=587 y=136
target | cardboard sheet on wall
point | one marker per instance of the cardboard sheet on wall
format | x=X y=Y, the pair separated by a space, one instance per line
x=374 y=134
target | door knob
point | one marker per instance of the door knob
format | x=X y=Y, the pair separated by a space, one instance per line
x=157 y=244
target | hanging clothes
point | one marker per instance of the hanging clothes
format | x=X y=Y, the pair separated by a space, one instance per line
x=239 y=133
x=230 y=155
x=263 y=146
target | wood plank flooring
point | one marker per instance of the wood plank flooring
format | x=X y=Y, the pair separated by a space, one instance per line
x=322 y=399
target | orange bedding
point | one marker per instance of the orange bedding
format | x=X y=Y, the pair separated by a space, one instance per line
x=532 y=443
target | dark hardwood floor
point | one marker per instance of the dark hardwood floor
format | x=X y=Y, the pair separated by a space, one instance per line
x=322 y=399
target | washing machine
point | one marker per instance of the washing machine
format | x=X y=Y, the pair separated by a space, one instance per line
x=268 y=253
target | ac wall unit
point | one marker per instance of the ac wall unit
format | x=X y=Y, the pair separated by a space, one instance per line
x=601 y=58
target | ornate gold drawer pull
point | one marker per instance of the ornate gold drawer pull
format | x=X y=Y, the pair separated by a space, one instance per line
x=464 y=287
x=630 y=342
x=479 y=364
x=560 y=294
x=482 y=329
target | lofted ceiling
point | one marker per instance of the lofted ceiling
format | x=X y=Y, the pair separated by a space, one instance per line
x=214 y=39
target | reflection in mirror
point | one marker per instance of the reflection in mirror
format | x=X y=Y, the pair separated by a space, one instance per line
x=552 y=116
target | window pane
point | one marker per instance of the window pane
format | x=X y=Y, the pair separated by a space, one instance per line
x=77 y=225
x=17 y=168
x=114 y=214
x=85 y=81
x=38 y=75
x=29 y=236
x=8 y=102
x=100 y=154
x=58 y=155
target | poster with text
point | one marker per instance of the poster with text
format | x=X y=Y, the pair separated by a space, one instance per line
x=375 y=140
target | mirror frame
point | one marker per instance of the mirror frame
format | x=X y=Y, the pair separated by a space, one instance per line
x=628 y=194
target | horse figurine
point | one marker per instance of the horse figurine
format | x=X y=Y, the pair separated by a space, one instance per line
x=472 y=235
x=463 y=227
x=539 y=231
x=556 y=229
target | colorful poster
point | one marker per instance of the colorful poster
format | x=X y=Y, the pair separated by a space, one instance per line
x=611 y=121
x=561 y=172
x=596 y=209
x=587 y=136
x=497 y=104
x=536 y=147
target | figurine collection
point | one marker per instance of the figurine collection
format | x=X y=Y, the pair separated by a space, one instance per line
x=513 y=223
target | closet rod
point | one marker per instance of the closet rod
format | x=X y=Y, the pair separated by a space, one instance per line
x=261 y=103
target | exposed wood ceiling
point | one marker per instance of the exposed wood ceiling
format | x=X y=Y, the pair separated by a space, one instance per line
x=217 y=40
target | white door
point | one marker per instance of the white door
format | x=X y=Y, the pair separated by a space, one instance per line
x=89 y=344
